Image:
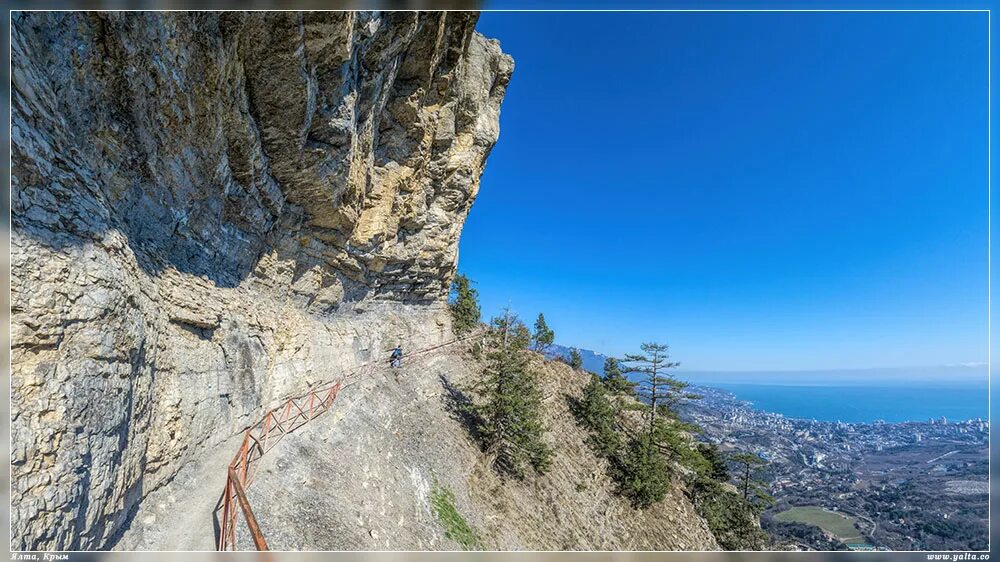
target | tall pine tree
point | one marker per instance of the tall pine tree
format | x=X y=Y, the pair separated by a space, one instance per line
x=753 y=489
x=464 y=305
x=543 y=336
x=657 y=387
x=511 y=420
x=645 y=472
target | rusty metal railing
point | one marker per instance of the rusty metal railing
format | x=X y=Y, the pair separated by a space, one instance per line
x=264 y=435
x=257 y=440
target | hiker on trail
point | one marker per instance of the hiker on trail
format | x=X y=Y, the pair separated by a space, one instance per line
x=396 y=359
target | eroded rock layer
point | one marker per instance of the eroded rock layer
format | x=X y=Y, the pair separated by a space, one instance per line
x=211 y=211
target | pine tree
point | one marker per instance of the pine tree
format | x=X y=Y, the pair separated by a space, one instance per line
x=733 y=521
x=715 y=463
x=511 y=421
x=657 y=388
x=613 y=380
x=575 y=359
x=753 y=489
x=644 y=478
x=643 y=473
x=464 y=305
x=543 y=336
x=521 y=337
x=596 y=412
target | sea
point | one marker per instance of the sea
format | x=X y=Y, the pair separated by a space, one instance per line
x=868 y=403
x=893 y=395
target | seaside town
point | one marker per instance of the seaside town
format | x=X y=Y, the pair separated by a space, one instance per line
x=862 y=486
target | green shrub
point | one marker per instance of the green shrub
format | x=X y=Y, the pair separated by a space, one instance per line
x=614 y=380
x=575 y=359
x=595 y=412
x=643 y=474
x=732 y=520
x=455 y=526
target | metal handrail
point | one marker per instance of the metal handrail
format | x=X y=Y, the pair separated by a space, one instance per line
x=257 y=440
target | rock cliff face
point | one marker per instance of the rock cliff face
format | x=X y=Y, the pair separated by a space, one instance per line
x=210 y=212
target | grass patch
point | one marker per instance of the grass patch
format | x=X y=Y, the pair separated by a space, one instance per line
x=834 y=523
x=455 y=526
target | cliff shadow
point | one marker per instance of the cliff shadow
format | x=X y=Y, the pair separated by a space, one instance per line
x=461 y=408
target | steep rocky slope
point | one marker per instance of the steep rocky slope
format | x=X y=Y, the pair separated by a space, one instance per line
x=362 y=477
x=211 y=211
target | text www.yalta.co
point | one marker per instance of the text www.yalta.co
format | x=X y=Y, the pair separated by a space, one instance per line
x=960 y=557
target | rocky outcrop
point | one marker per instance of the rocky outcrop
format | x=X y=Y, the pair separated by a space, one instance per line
x=210 y=212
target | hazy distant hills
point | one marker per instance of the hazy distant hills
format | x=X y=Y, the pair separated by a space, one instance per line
x=964 y=374
x=592 y=360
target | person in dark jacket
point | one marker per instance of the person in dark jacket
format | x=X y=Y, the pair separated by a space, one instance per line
x=396 y=359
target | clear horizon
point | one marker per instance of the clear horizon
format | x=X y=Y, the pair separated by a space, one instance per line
x=975 y=372
x=763 y=191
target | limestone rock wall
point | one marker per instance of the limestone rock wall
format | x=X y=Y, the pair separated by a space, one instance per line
x=209 y=212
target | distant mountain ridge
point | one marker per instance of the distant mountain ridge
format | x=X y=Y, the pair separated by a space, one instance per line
x=959 y=373
x=592 y=360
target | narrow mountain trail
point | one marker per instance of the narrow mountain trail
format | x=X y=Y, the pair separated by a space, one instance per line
x=179 y=515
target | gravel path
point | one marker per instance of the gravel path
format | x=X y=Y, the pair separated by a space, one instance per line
x=179 y=516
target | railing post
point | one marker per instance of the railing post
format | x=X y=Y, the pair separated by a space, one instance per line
x=246 y=460
x=224 y=523
x=232 y=525
x=258 y=537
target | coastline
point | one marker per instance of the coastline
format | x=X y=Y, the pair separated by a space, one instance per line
x=862 y=404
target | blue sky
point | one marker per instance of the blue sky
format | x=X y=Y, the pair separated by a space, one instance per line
x=759 y=190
